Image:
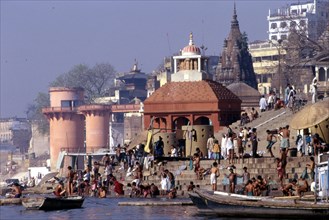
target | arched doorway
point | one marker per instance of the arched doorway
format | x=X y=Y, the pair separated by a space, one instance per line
x=159 y=123
x=179 y=122
x=322 y=74
x=202 y=121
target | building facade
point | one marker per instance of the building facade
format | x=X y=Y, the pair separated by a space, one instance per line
x=268 y=60
x=309 y=17
x=15 y=132
x=191 y=98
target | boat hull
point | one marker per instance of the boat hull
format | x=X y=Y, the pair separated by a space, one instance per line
x=227 y=206
x=50 y=203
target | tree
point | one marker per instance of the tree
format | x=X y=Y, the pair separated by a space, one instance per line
x=302 y=45
x=34 y=112
x=96 y=81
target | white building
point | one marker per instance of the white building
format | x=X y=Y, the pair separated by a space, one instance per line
x=309 y=17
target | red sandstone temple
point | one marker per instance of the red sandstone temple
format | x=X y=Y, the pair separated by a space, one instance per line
x=192 y=97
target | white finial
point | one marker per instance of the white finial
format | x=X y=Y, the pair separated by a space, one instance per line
x=191 y=39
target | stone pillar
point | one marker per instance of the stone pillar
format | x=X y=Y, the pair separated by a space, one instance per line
x=317 y=72
x=169 y=123
x=326 y=75
x=199 y=64
x=175 y=65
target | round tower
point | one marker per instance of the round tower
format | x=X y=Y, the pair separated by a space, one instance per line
x=97 y=126
x=66 y=126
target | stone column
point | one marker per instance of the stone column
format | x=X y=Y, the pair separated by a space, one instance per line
x=317 y=72
x=326 y=75
x=175 y=65
x=199 y=64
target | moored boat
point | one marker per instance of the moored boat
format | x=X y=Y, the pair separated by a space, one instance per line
x=233 y=205
x=55 y=203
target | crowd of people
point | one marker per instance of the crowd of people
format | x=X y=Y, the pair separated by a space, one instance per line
x=248 y=137
x=107 y=175
x=291 y=99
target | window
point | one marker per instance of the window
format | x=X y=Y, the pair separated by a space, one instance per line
x=304 y=10
x=258 y=59
x=294 y=12
x=283 y=24
x=65 y=103
x=274 y=37
x=322 y=75
x=273 y=26
x=266 y=58
x=284 y=37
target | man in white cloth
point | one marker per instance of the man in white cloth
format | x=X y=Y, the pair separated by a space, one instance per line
x=262 y=104
x=210 y=145
x=223 y=146
x=314 y=89
x=213 y=176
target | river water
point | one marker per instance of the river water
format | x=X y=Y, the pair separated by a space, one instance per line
x=95 y=208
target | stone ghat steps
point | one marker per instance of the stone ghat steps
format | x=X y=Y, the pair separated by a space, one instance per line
x=266 y=167
x=268 y=120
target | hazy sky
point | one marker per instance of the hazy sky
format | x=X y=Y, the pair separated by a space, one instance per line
x=42 y=39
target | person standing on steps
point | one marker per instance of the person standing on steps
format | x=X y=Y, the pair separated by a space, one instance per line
x=314 y=89
x=70 y=176
x=210 y=145
x=286 y=94
x=159 y=145
x=230 y=149
x=213 y=176
x=285 y=144
x=254 y=142
x=262 y=104
x=311 y=166
x=270 y=141
x=216 y=151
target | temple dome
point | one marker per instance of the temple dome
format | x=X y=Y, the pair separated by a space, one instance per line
x=191 y=49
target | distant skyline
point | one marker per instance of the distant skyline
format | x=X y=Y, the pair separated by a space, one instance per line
x=39 y=40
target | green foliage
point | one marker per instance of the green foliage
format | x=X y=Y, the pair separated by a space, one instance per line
x=96 y=82
x=34 y=112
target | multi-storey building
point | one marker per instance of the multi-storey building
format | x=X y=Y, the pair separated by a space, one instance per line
x=309 y=17
x=267 y=61
x=15 y=132
x=269 y=56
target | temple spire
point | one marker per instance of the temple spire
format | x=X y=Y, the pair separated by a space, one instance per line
x=234 y=21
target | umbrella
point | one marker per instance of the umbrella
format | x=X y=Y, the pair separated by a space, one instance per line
x=47 y=177
x=311 y=115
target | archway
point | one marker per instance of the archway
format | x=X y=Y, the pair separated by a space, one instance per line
x=322 y=74
x=159 y=123
x=179 y=122
x=202 y=121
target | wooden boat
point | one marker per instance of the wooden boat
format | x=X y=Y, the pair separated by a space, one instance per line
x=234 y=205
x=17 y=201
x=55 y=203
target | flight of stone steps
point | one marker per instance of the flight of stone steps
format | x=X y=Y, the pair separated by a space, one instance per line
x=266 y=167
x=268 y=120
